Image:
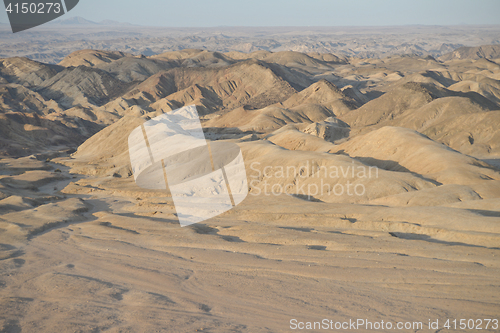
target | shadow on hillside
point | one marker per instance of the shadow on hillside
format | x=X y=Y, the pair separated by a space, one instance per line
x=427 y=238
x=221 y=133
x=389 y=165
x=494 y=162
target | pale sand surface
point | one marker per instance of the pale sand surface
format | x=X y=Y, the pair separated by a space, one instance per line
x=125 y=265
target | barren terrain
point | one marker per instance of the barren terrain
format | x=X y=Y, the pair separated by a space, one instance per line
x=52 y=42
x=84 y=249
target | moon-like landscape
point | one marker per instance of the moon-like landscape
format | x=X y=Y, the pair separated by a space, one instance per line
x=372 y=160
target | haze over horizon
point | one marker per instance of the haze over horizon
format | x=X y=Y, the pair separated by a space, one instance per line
x=193 y=13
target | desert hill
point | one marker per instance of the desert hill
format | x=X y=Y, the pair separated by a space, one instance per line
x=325 y=93
x=82 y=86
x=264 y=91
x=429 y=109
x=26 y=72
x=314 y=104
x=402 y=149
x=302 y=62
x=479 y=52
x=485 y=86
x=130 y=69
x=30 y=122
x=91 y=58
x=247 y=83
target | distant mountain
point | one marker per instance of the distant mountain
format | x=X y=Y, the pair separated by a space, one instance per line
x=77 y=20
x=80 y=21
x=113 y=23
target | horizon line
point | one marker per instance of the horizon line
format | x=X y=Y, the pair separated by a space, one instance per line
x=99 y=23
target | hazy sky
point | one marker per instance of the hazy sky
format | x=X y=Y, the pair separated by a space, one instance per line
x=208 y=13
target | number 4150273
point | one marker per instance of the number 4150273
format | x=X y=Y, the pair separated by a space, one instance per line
x=471 y=324
x=34 y=8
